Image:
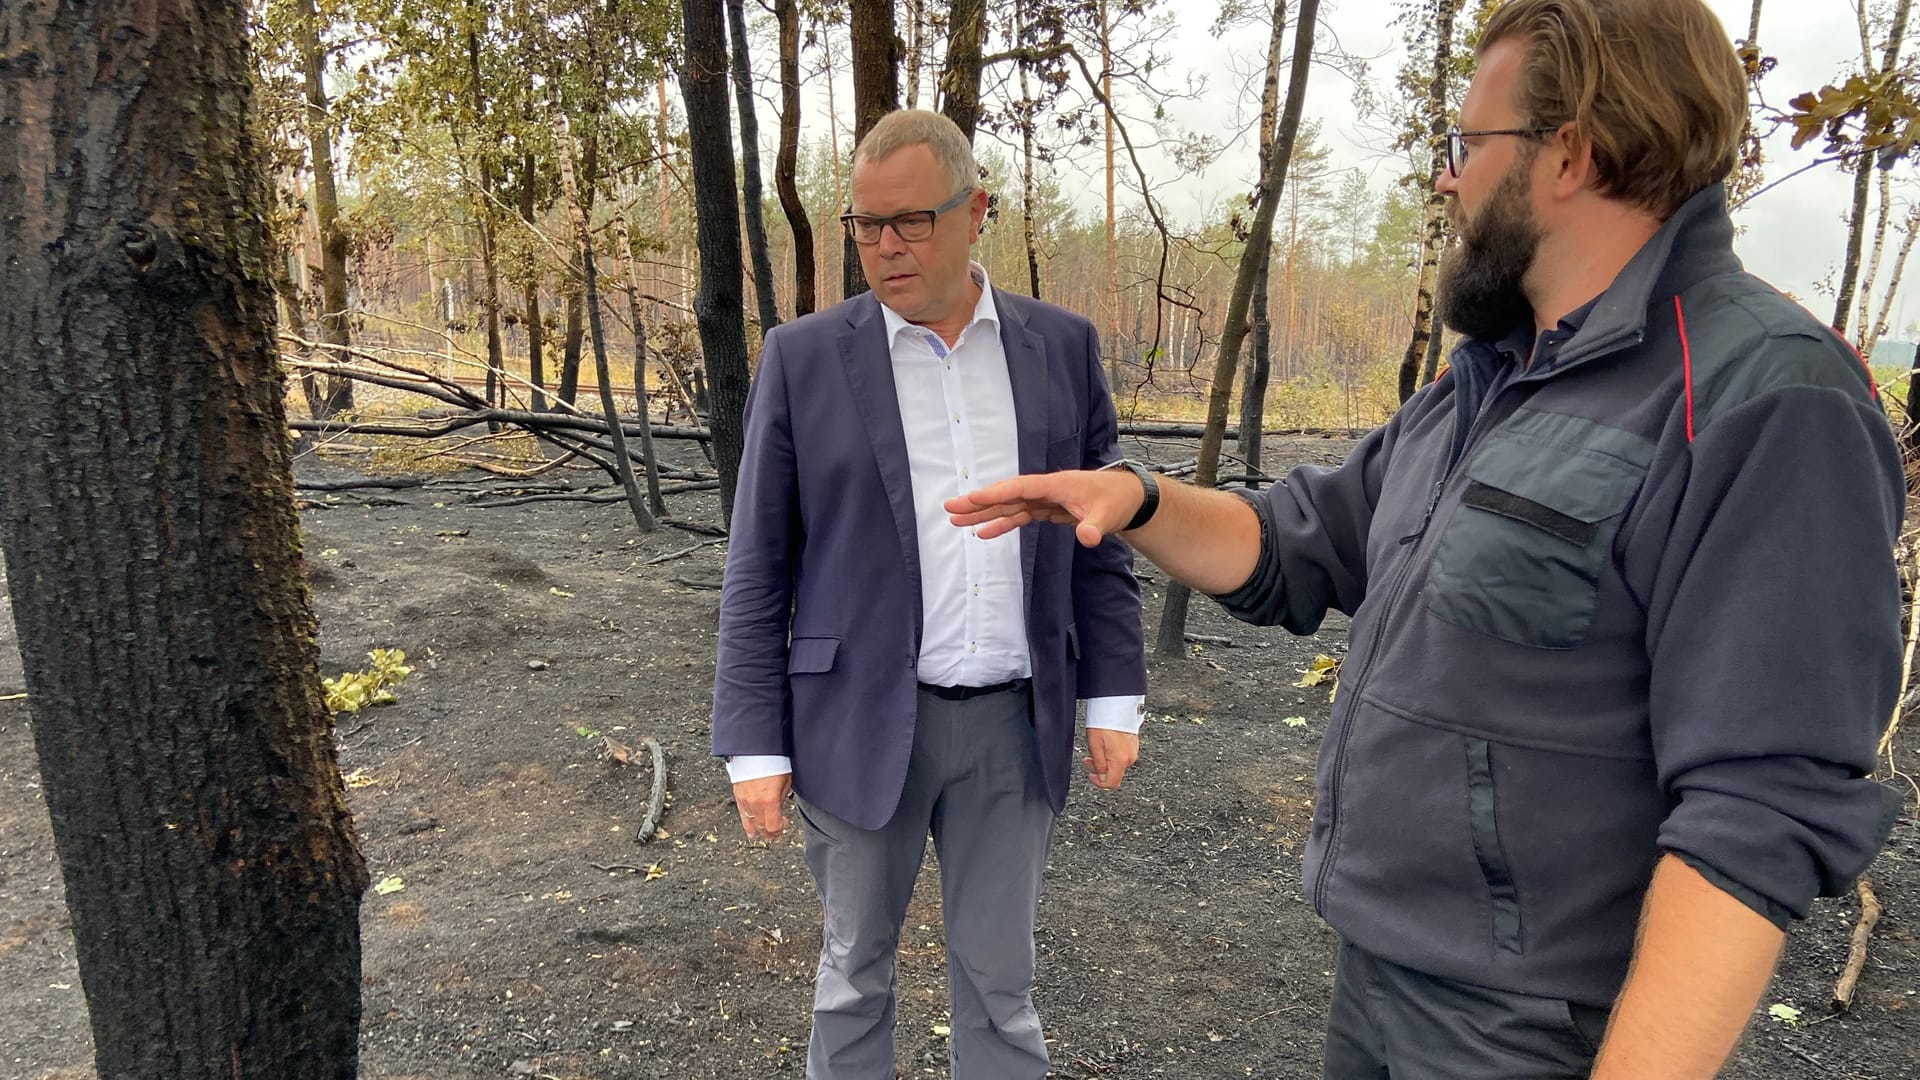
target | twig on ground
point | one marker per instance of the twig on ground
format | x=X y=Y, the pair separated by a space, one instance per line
x=697 y=527
x=1857 y=947
x=681 y=553
x=1208 y=639
x=611 y=867
x=697 y=583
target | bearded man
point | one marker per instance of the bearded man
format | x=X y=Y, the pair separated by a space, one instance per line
x=1625 y=610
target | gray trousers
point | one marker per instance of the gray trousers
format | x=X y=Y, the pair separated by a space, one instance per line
x=973 y=783
x=1388 y=1021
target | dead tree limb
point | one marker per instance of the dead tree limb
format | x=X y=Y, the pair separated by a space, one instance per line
x=657 y=801
x=1857 y=948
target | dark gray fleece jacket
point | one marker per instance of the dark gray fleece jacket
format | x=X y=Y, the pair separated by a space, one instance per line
x=1622 y=590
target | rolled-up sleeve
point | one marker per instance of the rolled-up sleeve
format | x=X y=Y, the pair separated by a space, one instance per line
x=1774 y=641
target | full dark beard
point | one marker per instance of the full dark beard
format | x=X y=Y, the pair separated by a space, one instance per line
x=1480 y=293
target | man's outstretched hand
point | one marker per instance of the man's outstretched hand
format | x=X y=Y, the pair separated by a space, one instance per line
x=1095 y=503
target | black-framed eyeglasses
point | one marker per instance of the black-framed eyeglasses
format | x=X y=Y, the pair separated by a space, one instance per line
x=1457 y=141
x=909 y=225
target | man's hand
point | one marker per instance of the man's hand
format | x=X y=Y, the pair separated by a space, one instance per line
x=1096 y=503
x=763 y=805
x=1110 y=754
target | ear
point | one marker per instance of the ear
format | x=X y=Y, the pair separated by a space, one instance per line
x=1570 y=157
x=977 y=210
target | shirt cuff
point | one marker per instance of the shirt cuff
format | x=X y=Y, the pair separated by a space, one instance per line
x=1122 y=713
x=744 y=767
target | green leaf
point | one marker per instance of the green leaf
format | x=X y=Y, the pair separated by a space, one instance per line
x=1786 y=1014
x=391 y=884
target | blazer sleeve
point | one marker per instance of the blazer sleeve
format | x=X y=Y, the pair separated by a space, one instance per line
x=751 y=714
x=1106 y=595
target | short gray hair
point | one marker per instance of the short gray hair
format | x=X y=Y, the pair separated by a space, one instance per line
x=918 y=127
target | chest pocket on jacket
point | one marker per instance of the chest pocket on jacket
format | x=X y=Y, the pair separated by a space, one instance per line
x=1522 y=557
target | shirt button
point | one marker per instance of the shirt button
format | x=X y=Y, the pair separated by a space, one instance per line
x=956 y=418
x=971 y=647
x=976 y=590
x=966 y=473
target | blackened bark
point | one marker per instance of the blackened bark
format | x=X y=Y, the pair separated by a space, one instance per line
x=717 y=304
x=589 y=178
x=335 y=320
x=1253 y=391
x=536 y=331
x=483 y=154
x=1253 y=395
x=876 y=92
x=960 y=78
x=787 y=168
x=147 y=519
x=751 y=197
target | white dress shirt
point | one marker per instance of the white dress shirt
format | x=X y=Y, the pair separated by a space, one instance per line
x=956 y=408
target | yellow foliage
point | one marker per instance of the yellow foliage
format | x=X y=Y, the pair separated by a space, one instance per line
x=355 y=690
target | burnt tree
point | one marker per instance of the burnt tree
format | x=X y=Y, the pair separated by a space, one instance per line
x=147 y=517
x=960 y=78
x=787 y=168
x=750 y=168
x=876 y=92
x=718 y=302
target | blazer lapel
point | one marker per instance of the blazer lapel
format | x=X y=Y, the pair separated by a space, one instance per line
x=867 y=356
x=1027 y=368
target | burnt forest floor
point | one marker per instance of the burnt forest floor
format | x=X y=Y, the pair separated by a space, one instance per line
x=529 y=934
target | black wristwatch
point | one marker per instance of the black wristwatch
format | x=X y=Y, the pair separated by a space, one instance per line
x=1150 y=493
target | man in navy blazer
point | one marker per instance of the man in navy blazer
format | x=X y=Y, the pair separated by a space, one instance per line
x=901 y=677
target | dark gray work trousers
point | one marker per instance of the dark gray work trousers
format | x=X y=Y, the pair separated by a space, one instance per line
x=1392 y=1023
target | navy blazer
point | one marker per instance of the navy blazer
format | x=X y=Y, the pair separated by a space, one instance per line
x=820 y=617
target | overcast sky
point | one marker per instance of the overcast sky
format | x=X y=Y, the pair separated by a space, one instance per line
x=1794 y=235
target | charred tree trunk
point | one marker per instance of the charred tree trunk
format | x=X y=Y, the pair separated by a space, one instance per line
x=536 y=330
x=786 y=170
x=960 y=78
x=1253 y=392
x=1434 y=231
x=147 y=519
x=583 y=239
x=751 y=198
x=490 y=269
x=655 y=500
x=1173 y=618
x=335 y=321
x=717 y=305
x=589 y=180
x=1026 y=153
x=876 y=92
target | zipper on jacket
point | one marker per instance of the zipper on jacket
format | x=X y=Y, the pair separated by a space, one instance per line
x=1457 y=453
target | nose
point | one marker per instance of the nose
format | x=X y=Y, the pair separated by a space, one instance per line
x=1447 y=183
x=890 y=244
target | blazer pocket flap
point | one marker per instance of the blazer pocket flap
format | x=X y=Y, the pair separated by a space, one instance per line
x=811 y=655
x=1065 y=453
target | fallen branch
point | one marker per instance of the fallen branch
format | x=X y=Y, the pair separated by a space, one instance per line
x=1857 y=948
x=699 y=528
x=393 y=483
x=697 y=583
x=656 y=802
x=682 y=553
x=1207 y=639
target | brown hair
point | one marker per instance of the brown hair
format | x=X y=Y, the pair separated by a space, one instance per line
x=1653 y=85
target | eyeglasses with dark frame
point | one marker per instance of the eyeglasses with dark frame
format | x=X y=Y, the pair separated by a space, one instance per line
x=908 y=225
x=1457 y=146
